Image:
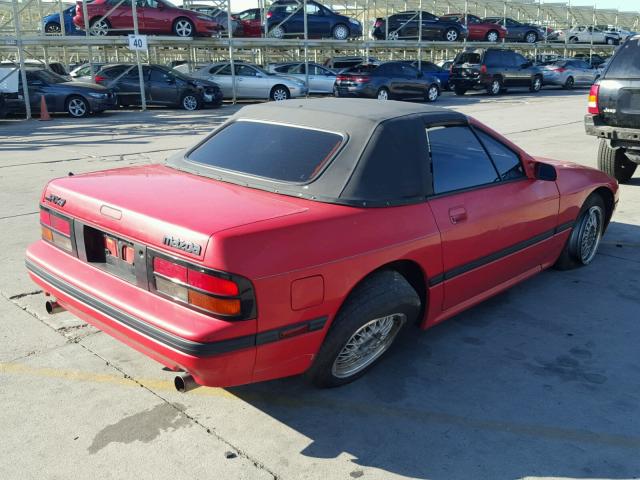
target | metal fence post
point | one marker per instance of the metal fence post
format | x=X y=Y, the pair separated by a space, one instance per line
x=143 y=96
x=23 y=73
x=233 y=67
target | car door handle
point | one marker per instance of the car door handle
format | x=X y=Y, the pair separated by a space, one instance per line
x=457 y=215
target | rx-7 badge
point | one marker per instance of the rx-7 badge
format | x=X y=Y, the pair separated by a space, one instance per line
x=180 y=244
x=55 y=199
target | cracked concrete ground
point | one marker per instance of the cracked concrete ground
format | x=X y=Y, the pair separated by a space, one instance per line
x=542 y=381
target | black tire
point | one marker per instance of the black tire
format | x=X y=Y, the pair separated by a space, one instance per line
x=571 y=257
x=531 y=37
x=52 y=27
x=495 y=87
x=536 y=84
x=383 y=294
x=573 y=40
x=383 y=94
x=77 y=107
x=568 y=85
x=101 y=31
x=279 y=93
x=492 y=34
x=183 y=27
x=340 y=28
x=459 y=90
x=432 y=93
x=190 y=102
x=614 y=162
x=277 y=32
x=452 y=35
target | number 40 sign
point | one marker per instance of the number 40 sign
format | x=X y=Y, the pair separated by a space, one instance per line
x=138 y=42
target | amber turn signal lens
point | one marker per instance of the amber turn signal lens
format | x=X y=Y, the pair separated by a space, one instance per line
x=221 y=306
x=47 y=234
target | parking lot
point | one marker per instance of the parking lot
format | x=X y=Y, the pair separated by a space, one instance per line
x=542 y=381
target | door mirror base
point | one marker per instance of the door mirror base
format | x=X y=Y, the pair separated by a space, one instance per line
x=546 y=172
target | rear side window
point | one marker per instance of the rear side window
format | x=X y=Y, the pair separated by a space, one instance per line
x=468 y=57
x=505 y=160
x=626 y=61
x=277 y=152
x=458 y=160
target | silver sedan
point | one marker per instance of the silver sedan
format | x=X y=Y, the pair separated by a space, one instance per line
x=321 y=79
x=252 y=81
x=569 y=73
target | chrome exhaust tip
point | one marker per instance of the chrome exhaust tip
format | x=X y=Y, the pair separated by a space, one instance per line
x=53 y=306
x=184 y=383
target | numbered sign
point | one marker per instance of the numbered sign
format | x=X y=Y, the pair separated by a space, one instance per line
x=9 y=79
x=138 y=42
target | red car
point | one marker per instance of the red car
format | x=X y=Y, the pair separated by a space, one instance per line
x=479 y=30
x=154 y=17
x=250 y=23
x=303 y=236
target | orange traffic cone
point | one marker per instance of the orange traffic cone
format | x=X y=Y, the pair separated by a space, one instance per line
x=44 y=113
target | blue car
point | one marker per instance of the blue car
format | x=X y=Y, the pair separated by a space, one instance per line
x=51 y=23
x=285 y=19
x=429 y=68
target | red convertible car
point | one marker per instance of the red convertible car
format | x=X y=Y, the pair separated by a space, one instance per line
x=303 y=236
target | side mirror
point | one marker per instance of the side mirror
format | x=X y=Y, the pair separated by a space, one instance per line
x=546 y=172
x=170 y=80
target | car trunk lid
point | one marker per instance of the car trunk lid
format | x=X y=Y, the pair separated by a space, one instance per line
x=162 y=207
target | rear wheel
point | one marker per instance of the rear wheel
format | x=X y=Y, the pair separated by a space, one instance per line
x=582 y=245
x=614 y=162
x=568 y=85
x=610 y=41
x=52 y=27
x=279 y=93
x=432 y=93
x=393 y=35
x=277 y=32
x=364 y=329
x=183 y=27
x=383 y=94
x=495 y=87
x=451 y=35
x=531 y=37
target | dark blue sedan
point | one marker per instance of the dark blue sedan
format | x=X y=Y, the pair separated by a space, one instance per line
x=52 y=25
x=389 y=80
x=285 y=19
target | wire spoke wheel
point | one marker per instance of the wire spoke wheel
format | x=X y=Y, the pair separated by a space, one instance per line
x=367 y=344
x=590 y=234
x=77 y=107
x=280 y=94
x=276 y=32
x=340 y=32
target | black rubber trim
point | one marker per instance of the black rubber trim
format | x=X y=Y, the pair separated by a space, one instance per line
x=178 y=343
x=479 y=262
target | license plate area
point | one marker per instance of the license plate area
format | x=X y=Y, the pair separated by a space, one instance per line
x=113 y=254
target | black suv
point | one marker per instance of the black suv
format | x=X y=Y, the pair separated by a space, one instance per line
x=493 y=69
x=614 y=112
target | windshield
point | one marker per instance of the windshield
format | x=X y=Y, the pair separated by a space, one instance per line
x=277 y=152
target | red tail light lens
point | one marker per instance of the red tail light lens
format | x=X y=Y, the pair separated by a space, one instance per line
x=378 y=24
x=361 y=79
x=560 y=69
x=100 y=78
x=56 y=229
x=593 y=106
x=269 y=14
x=341 y=78
x=483 y=69
x=213 y=292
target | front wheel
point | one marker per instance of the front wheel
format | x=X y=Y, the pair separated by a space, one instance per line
x=340 y=32
x=610 y=41
x=495 y=87
x=582 y=245
x=432 y=93
x=183 y=28
x=277 y=32
x=492 y=36
x=536 y=84
x=531 y=37
x=52 y=27
x=451 y=35
x=569 y=83
x=615 y=163
x=78 y=107
x=190 y=102
x=99 y=27
x=367 y=325
x=279 y=93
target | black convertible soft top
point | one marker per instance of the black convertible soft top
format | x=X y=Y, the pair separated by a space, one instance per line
x=382 y=161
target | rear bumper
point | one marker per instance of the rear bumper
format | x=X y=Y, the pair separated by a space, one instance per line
x=618 y=136
x=469 y=83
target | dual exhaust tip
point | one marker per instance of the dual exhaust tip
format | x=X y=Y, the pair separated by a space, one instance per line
x=183 y=383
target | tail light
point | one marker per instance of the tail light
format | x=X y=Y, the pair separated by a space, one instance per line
x=560 y=69
x=593 y=106
x=209 y=291
x=360 y=79
x=269 y=14
x=100 y=78
x=483 y=69
x=378 y=23
x=56 y=229
x=342 y=78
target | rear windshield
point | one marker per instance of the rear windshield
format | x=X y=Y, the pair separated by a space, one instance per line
x=276 y=152
x=368 y=68
x=626 y=61
x=468 y=57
